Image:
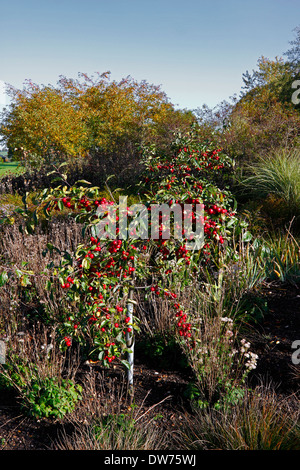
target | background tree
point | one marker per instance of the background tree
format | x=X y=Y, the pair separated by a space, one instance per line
x=41 y=126
x=293 y=54
x=91 y=119
x=265 y=119
x=262 y=119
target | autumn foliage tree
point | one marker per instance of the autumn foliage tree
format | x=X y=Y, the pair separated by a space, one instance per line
x=91 y=117
x=265 y=118
x=41 y=125
x=266 y=109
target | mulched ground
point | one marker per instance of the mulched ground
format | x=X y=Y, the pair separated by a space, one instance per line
x=273 y=339
x=162 y=390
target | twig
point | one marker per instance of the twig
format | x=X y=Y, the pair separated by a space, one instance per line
x=153 y=406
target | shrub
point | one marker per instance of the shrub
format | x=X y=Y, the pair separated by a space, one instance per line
x=221 y=363
x=98 y=275
x=89 y=117
x=279 y=177
x=35 y=369
x=51 y=397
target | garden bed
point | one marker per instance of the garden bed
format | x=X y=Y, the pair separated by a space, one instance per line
x=160 y=392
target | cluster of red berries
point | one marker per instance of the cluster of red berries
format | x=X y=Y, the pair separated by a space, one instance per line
x=83 y=203
x=183 y=326
x=68 y=341
x=109 y=352
x=182 y=252
x=68 y=283
x=105 y=263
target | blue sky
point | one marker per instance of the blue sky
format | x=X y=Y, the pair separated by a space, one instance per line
x=196 y=50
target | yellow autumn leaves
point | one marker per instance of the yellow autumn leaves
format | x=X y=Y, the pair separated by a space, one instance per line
x=87 y=114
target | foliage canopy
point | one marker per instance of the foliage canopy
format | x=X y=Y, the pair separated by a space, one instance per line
x=90 y=115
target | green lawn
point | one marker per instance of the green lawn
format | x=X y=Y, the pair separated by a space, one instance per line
x=10 y=167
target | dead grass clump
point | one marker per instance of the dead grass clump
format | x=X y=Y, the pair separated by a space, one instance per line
x=262 y=421
x=107 y=422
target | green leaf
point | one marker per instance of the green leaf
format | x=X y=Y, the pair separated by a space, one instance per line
x=86 y=263
x=247 y=236
x=101 y=355
x=25 y=281
x=3 y=278
x=60 y=205
x=125 y=363
x=83 y=181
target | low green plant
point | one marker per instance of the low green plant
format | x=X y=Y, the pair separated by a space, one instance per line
x=40 y=374
x=15 y=374
x=228 y=394
x=50 y=397
x=116 y=429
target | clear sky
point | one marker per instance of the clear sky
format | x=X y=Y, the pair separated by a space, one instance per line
x=197 y=50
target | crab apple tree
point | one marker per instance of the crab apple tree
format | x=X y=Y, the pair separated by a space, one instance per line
x=98 y=278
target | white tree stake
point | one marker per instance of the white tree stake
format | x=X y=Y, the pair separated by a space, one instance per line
x=130 y=339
